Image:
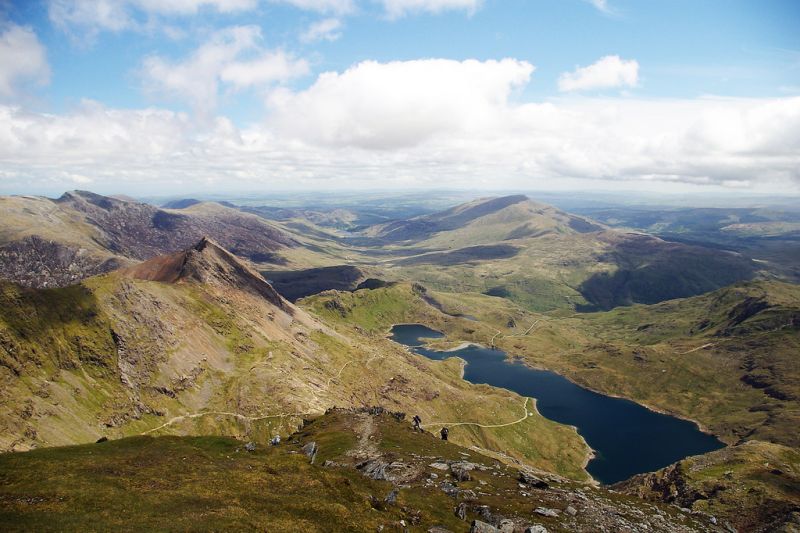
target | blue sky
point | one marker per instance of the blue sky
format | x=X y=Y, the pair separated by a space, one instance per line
x=199 y=75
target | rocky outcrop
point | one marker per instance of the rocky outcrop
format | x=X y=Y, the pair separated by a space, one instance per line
x=57 y=243
x=37 y=262
x=207 y=262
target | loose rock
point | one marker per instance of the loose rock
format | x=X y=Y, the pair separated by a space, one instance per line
x=482 y=527
x=544 y=511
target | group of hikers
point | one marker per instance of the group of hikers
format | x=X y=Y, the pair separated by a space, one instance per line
x=418 y=427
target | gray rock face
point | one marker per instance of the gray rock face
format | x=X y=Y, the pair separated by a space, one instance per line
x=532 y=481
x=506 y=526
x=391 y=498
x=36 y=262
x=535 y=529
x=449 y=489
x=461 y=470
x=461 y=511
x=482 y=527
x=544 y=511
x=250 y=446
x=396 y=471
x=310 y=450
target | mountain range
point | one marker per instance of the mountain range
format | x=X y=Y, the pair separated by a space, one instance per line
x=122 y=320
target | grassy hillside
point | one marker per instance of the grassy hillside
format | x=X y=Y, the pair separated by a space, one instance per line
x=754 y=487
x=726 y=359
x=543 y=258
x=50 y=243
x=197 y=343
x=370 y=471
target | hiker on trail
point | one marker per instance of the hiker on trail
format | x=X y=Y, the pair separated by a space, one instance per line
x=444 y=433
x=417 y=423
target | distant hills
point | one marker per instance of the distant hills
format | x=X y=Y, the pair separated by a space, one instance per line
x=53 y=243
x=544 y=258
x=532 y=253
x=122 y=319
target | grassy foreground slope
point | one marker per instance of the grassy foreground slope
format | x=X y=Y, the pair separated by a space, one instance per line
x=197 y=343
x=369 y=471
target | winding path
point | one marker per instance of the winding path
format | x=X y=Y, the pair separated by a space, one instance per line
x=453 y=424
x=527 y=331
x=709 y=345
x=220 y=413
x=338 y=375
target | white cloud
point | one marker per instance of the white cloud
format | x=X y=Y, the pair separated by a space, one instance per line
x=390 y=105
x=606 y=73
x=399 y=8
x=191 y=7
x=232 y=56
x=432 y=123
x=323 y=30
x=83 y=19
x=79 y=16
x=270 y=67
x=601 y=5
x=23 y=59
x=321 y=6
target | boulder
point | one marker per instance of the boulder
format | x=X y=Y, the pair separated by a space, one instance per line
x=544 y=511
x=461 y=511
x=535 y=529
x=460 y=471
x=310 y=450
x=506 y=526
x=532 y=481
x=250 y=446
x=482 y=527
x=449 y=489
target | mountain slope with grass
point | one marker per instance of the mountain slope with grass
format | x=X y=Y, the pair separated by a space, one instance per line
x=543 y=258
x=52 y=243
x=753 y=487
x=347 y=470
x=727 y=359
x=199 y=343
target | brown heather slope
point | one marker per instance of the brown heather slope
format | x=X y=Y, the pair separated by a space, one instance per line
x=53 y=243
x=199 y=343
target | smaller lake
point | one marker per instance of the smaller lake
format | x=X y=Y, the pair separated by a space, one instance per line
x=627 y=438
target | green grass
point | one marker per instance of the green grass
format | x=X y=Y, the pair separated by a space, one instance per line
x=175 y=484
x=213 y=483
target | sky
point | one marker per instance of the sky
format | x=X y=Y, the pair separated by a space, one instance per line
x=148 y=97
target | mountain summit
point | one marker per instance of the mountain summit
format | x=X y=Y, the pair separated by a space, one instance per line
x=485 y=221
x=207 y=262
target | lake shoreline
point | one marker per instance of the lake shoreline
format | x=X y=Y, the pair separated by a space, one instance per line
x=564 y=402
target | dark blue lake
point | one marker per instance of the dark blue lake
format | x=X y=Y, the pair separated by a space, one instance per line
x=627 y=438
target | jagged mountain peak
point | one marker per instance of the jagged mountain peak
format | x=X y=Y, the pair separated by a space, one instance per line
x=207 y=262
